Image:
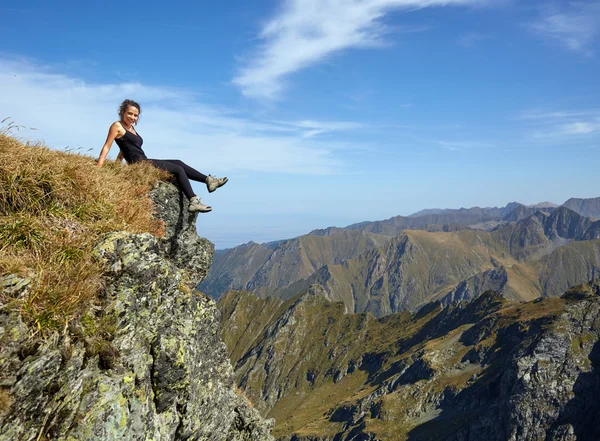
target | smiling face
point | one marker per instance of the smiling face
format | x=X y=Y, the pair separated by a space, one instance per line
x=130 y=116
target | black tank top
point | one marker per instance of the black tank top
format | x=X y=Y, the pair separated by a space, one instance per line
x=131 y=146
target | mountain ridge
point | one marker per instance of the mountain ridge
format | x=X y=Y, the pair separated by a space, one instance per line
x=524 y=368
x=418 y=266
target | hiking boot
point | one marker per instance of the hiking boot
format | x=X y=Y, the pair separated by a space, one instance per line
x=212 y=183
x=196 y=205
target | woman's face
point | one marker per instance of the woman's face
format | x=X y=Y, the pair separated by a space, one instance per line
x=131 y=115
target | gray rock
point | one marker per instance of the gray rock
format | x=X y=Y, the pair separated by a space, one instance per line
x=181 y=242
x=164 y=375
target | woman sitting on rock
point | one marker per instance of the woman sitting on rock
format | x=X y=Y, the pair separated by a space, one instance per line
x=130 y=143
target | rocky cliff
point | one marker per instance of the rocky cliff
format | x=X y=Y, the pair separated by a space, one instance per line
x=587 y=207
x=156 y=370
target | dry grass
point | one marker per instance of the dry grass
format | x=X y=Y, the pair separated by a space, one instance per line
x=240 y=393
x=54 y=206
x=6 y=400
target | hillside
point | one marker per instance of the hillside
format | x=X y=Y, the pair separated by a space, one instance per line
x=101 y=334
x=523 y=260
x=257 y=267
x=264 y=269
x=487 y=369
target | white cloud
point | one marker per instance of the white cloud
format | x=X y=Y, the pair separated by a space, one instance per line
x=582 y=127
x=314 y=128
x=545 y=116
x=69 y=112
x=563 y=123
x=575 y=26
x=305 y=32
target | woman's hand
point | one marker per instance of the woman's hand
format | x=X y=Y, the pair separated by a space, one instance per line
x=120 y=158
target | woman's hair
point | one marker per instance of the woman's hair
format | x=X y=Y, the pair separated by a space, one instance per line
x=125 y=104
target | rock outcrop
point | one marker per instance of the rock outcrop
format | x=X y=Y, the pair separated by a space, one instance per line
x=491 y=280
x=162 y=373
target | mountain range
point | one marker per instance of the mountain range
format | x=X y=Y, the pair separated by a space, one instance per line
x=405 y=262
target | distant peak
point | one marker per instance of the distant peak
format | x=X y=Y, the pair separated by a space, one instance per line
x=544 y=204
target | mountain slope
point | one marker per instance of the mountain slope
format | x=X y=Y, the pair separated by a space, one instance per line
x=417 y=266
x=260 y=267
x=404 y=267
x=528 y=371
x=263 y=269
x=586 y=207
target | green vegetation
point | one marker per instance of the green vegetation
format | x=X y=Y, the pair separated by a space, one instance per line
x=331 y=363
x=54 y=206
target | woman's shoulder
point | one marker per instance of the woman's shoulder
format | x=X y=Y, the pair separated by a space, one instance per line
x=118 y=127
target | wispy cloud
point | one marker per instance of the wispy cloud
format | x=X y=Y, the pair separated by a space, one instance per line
x=570 y=130
x=581 y=128
x=460 y=145
x=545 y=116
x=313 y=128
x=575 y=25
x=563 y=123
x=68 y=111
x=306 y=32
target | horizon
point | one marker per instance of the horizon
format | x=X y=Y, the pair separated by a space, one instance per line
x=283 y=239
x=325 y=113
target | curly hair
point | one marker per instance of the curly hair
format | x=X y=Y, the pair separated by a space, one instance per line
x=125 y=104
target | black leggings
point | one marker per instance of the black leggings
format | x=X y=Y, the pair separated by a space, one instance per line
x=182 y=172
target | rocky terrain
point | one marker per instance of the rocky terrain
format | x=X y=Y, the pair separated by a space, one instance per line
x=586 y=207
x=161 y=373
x=541 y=254
x=488 y=369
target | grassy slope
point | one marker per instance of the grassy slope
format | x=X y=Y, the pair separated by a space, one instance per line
x=54 y=206
x=248 y=316
x=292 y=260
x=322 y=338
x=431 y=264
x=418 y=266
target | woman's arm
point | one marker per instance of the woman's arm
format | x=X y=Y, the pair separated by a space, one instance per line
x=120 y=157
x=113 y=133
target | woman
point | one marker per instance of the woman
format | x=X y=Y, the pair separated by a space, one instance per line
x=130 y=143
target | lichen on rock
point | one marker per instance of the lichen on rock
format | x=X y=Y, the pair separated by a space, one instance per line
x=164 y=373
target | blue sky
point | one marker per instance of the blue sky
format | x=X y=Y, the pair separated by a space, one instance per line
x=322 y=112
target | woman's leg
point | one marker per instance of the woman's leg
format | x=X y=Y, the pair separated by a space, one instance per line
x=191 y=173
x=212 y=182
x=179 y=173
